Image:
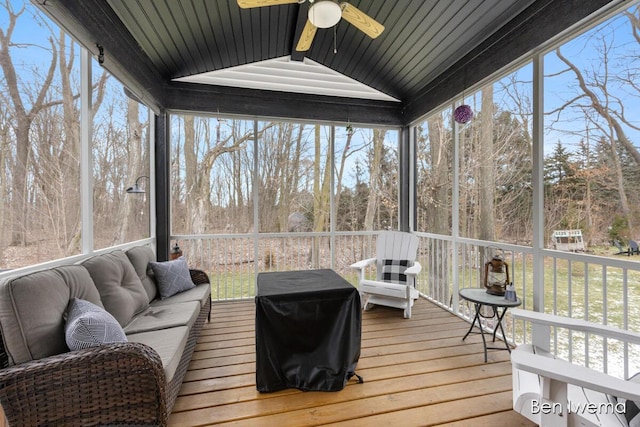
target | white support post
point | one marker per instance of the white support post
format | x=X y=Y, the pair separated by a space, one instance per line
x=152 y=175
x=411 y=148
x=86 y=154
x=539 y=338
x=332 y=195
x=256 y=206
x=455 y=212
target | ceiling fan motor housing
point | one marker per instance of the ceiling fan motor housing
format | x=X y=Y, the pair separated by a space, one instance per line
x=325 y=13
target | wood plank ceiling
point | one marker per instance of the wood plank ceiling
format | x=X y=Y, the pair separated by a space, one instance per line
x=429 y=52
x=421 y=38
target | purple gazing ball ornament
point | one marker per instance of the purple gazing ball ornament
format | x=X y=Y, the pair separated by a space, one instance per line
x=463 y=114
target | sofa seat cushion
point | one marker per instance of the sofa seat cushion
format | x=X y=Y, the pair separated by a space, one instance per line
x=169 y=343
x=32 y=310
x=88 y=325
x=140 y=257
x=200 y=293
x=121 y=290
x=164 y=317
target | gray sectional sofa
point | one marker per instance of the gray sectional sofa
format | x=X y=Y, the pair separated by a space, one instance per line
x=136 y=382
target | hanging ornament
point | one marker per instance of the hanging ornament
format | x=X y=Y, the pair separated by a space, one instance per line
x=349 y=129
x=463 y=114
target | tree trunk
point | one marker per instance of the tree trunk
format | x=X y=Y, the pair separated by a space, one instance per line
x=374 y=179
x=321 y=190
x=486 y=161
x=191 y=175
x=70 y=213
x=438 y=262
x=135 y=169
x=440 y=168
x=340 y=173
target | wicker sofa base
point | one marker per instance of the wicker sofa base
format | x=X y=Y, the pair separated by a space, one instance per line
x=113 y=384
x=173 y=387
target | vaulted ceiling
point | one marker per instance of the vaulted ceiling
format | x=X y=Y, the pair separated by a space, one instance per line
x=429 y=51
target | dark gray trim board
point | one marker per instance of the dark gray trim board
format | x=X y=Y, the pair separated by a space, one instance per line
x=261 y=103
x=163 y=186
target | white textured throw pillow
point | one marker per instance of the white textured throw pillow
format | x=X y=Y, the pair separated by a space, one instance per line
x=89 y=326
x=172 y=277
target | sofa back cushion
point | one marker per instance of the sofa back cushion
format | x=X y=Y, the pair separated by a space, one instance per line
x=120 y=288
x=32 y=309
x=141 y=257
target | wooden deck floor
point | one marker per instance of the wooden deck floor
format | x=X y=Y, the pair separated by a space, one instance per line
x=417 y=372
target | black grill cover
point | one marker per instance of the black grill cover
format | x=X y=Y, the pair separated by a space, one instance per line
x=308 y=327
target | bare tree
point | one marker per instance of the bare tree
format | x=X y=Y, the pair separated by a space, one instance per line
x=136 y=168
x=607 y=118
x=322 y=184
x=436 y=189
x=375 y=172
x=24 y=117
x=203 y=147
x=486 y=167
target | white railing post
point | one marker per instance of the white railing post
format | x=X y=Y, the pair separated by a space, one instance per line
x=538 y=193
x=455 y=216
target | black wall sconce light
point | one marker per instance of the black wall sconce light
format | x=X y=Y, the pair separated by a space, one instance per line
x=136 y=189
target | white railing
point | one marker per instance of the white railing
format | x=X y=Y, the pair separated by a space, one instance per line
x=234 y=260
x=75 y=259
x=595 y=288
x=452 y=264
x=599 y=289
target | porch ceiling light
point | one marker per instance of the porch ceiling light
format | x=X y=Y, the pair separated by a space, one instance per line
x=325 y=13
x=136 y=189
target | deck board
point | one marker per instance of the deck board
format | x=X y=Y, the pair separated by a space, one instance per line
x=416 y=371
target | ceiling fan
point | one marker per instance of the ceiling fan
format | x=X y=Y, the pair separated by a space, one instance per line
x=324 y=14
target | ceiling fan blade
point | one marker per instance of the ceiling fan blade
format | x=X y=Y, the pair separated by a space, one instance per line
x=246 y=4
x=361 y=20
x=306 y=38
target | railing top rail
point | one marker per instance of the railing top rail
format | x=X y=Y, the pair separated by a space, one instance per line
x=74 y=259
x=477 y=242
x=274 y=235
x=619 y=262
x=593 y=259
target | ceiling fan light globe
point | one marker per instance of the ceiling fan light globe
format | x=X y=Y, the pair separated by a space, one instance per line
x=325 y=13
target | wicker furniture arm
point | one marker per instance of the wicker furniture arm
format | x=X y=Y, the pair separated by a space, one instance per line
x=198 y=276
x=111 y=384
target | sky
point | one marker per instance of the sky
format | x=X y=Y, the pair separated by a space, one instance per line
x=585 y=52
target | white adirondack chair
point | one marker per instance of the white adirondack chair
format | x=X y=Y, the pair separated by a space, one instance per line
x=553 y=392
x=391 y=291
